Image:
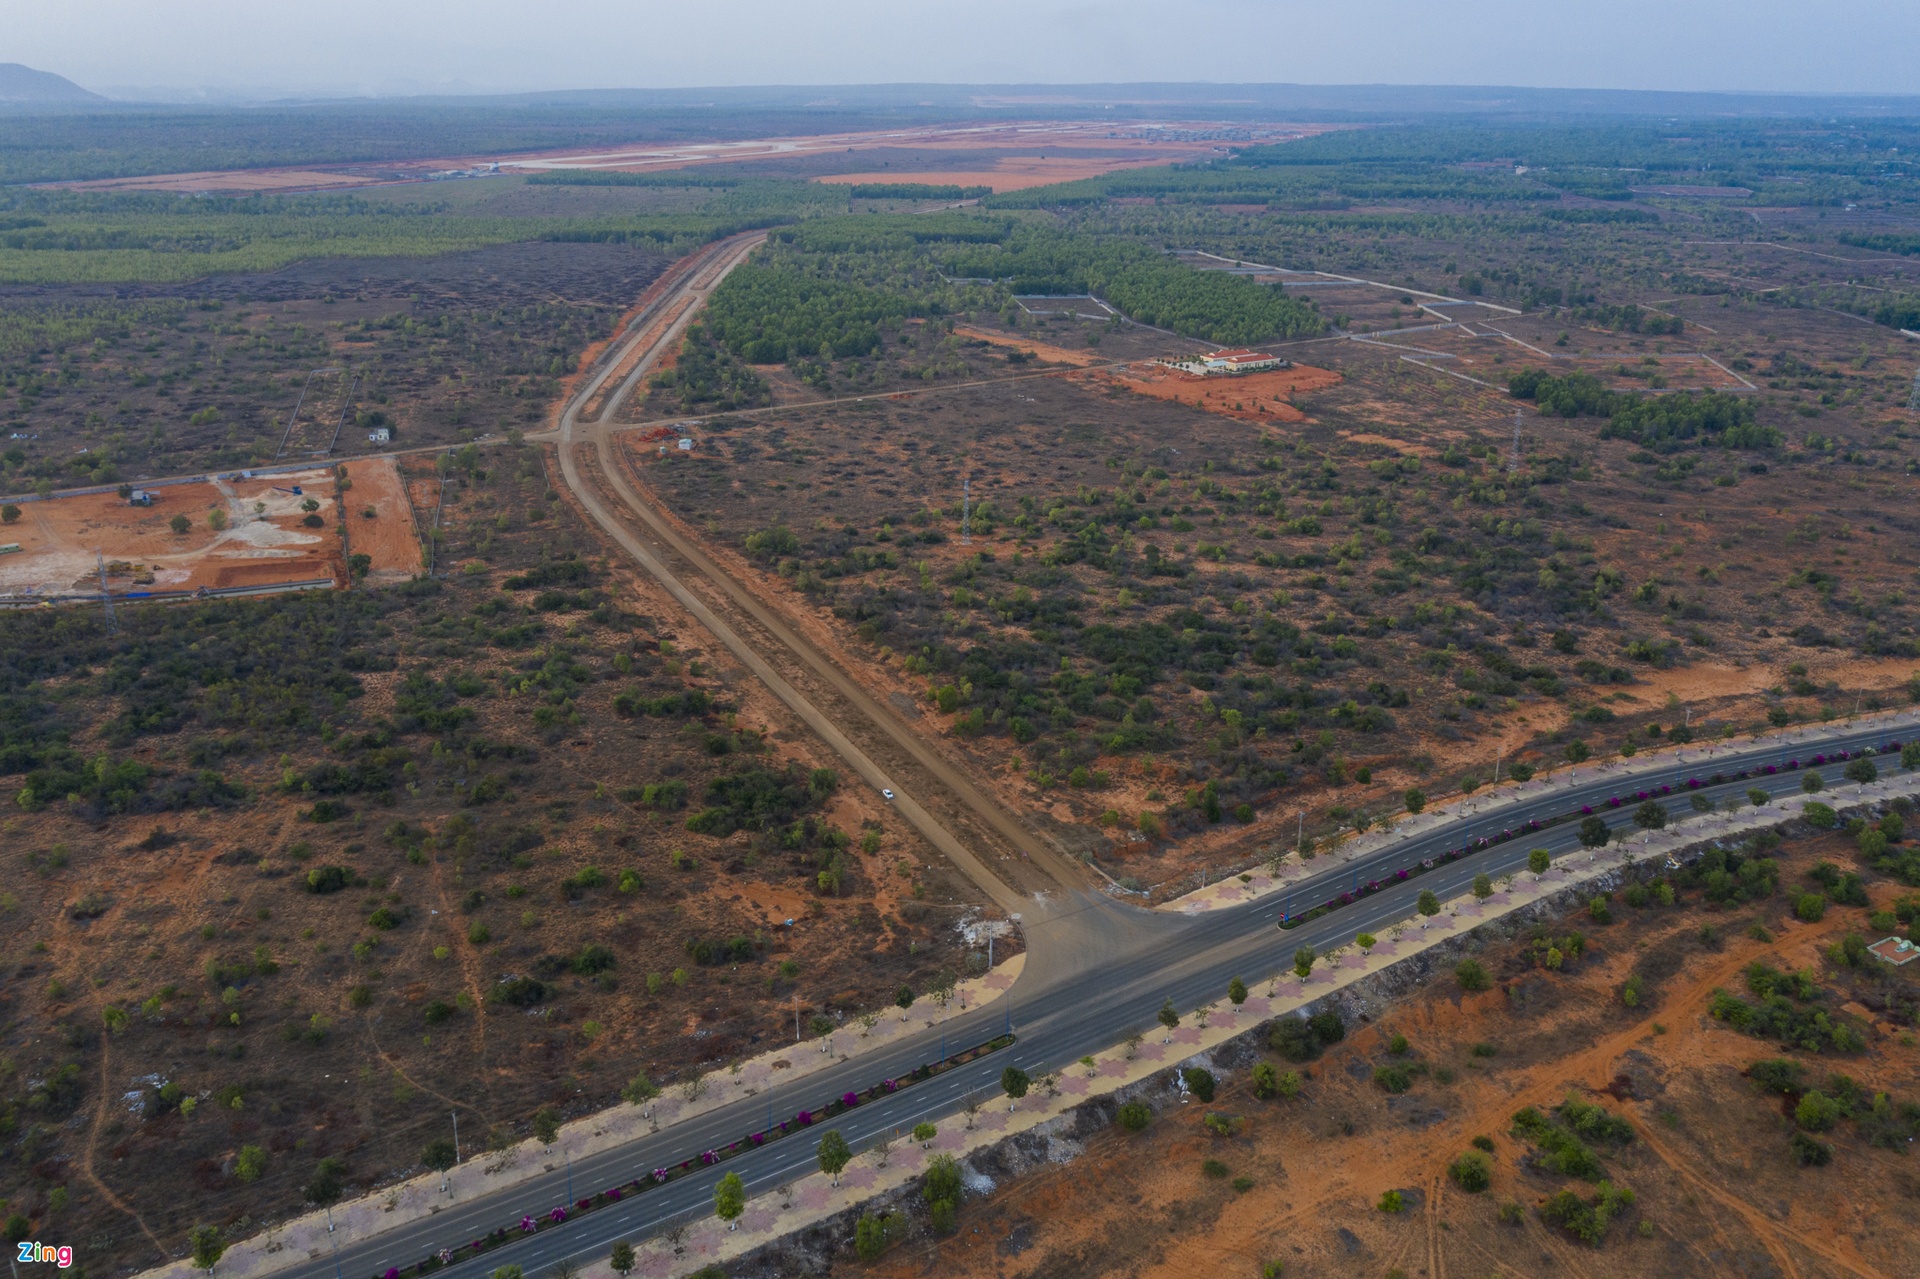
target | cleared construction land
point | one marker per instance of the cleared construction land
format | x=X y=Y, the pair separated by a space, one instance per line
x=241 y=532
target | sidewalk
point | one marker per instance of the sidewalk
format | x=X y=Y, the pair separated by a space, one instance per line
x=1484 y=806
x=305 y=1238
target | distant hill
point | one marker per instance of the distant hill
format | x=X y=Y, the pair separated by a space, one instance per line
x=20 y=84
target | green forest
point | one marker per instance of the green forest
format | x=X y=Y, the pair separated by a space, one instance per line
x=831 y=287
x=73 y=238
x=1662 y=423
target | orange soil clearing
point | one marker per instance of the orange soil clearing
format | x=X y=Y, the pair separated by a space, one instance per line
x=1249 y=397
x=59 y=539
x=389 y=537
x=270 y=180
x=1038 y=350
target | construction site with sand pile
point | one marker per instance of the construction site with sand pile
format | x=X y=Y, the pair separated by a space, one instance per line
x=244 y=532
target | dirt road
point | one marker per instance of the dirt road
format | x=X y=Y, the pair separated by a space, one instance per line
x=888 y=755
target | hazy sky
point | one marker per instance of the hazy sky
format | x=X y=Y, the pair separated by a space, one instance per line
x=464 y=46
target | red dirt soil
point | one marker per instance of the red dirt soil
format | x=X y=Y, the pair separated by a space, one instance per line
x=1038 y=350
x=1249 y=397
x=389 y=537
x=60 y=539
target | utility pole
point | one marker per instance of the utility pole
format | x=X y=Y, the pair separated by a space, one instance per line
x=106 y=596
x=1513 y=458
x=456 y=1136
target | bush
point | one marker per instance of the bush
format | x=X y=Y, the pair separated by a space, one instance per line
x=1472 y=975
x=1810 y=1152
x=1215 y=1169
x=1392 y=1079
x=1600 y=910
x=1819 y=816
x=1817 y=1112
x=1392 y=1201
x=1134 y=1116
x=873 y=1235
x=328 y=879
x=1810 y=907
x=1472 y=1172
x=1415 y=799
x=1199 y=1082
x=1303 y=1038
x=1587 y=1219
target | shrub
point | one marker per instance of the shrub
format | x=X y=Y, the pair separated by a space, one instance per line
x=1303 y=1038
x=1472 y=975
x=1392 y=1079
x=873 y=1235
x=1810 y=907
x=520 y=992
x=388 y=918
x=1288 y=1085
x=1134 y=1116
x=1398 y=1046
x=328 y=879
x=1392 y=1201
x=1600 y=910
x=1199 y=1082
x=1415 y=799
x=1817 y=1112
x=1472 y=1172
x=1819 y=816
x=1810 y=1152
x=1587 y=1219
x=1214 y=1168
x=1483 y=1143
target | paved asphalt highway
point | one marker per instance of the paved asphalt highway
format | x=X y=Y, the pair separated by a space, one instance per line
x=1077 y=1010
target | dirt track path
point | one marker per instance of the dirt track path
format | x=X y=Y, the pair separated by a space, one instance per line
x=672 y=549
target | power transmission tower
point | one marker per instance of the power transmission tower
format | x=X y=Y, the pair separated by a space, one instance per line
x=1913 y=400
x=106 y=596
x=1513 y=458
